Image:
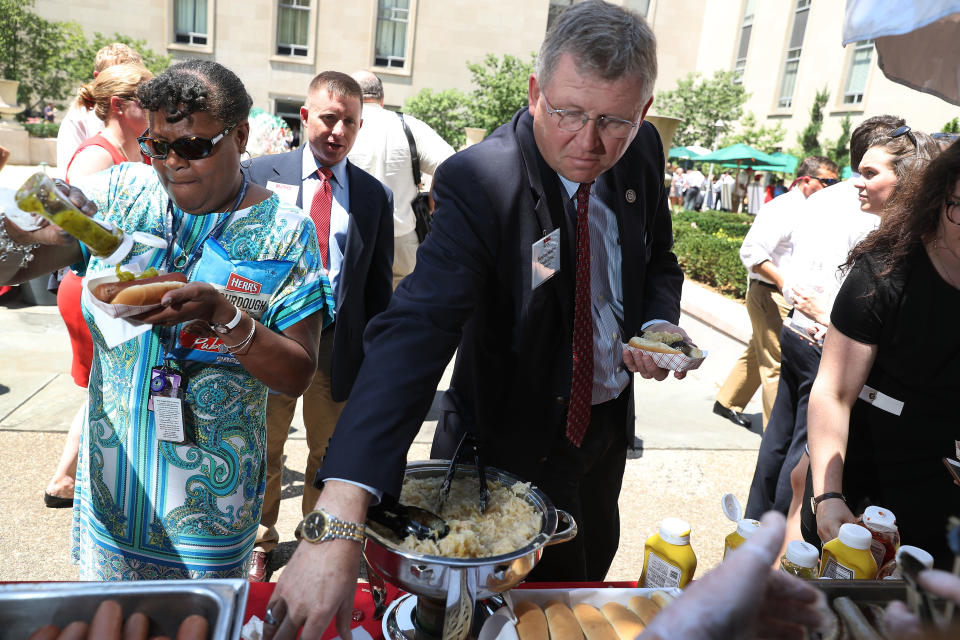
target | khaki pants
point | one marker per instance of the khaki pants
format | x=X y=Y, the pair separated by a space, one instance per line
x=320 y=415
x=404 y=256
x=759 y=365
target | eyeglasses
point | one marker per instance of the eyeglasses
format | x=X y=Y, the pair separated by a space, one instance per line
x=608 y=126
x=188 y=148
x=904 y=131
x=827 y=182
x=953 y=207
x=949 y=137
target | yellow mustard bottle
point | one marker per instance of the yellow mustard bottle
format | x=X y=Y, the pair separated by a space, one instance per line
x=668 y=558
x=848 y=557
x=745 y=528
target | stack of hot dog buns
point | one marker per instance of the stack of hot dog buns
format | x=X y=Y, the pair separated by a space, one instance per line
x=612 y=621
x=141 y=292
x=108 y=624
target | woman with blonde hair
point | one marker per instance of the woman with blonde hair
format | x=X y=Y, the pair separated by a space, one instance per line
x=112 y=97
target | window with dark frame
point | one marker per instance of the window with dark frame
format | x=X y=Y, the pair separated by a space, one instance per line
x=746 y=26
x=390 y=46
x=856 y=83
x=293 y=28
x=789 y=81
x=190 y=22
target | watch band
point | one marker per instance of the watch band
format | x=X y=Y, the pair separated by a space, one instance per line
x=230 y=326
x=342 y=530
x=816 y=500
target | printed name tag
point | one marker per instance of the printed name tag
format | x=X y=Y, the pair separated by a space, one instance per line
x=546 y=258
x=168 y=419
x=881 y=400
x=286 y=192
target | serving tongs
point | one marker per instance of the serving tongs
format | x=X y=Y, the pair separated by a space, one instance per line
x=405 y=520
x=918 y=598
x=469 y=445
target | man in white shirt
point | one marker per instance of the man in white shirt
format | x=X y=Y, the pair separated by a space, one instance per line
x=383 y=151
x=691 y=197
x=80 y=123
x=832 y=225
x=766 y=253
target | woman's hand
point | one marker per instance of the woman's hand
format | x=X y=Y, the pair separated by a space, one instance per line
x=48 y=233
x=193 y=301
x=811 y=303
x=831 y=513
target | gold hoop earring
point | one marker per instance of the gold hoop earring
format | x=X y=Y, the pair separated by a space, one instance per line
x=249 y=159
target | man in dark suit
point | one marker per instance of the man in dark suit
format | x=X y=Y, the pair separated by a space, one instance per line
x=551 y=246
x=353 y=213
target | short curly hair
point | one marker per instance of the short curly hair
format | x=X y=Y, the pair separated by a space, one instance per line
x=197 y=85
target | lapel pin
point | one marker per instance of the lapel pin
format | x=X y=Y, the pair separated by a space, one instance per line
x=631 y=196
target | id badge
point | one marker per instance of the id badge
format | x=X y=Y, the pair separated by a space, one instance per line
x=546 y=258
x=166 y=404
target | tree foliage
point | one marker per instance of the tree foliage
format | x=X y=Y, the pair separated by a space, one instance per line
x=51 y=59
x=447 y=113
x=951 y=127
x=809 y=138
x=758 y=136
x=501 y=89
x=699 y=103
x=839 y=150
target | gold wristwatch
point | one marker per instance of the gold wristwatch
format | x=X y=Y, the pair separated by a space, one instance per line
x=319 y=526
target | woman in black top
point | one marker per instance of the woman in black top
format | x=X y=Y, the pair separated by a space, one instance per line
x=882 y=410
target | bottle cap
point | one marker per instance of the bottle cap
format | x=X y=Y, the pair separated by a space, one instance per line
x=879 y=519
x=121 y=252
x=746 y=527
x=675 y=531
x=925 y=558
x=731 y=507
x=149 y=239
x=855 y=536
x=803 y=554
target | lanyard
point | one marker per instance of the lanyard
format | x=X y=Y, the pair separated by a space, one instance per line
x=183 y=263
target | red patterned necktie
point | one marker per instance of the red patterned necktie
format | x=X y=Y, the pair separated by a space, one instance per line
x=581 y=383
x=320 y=212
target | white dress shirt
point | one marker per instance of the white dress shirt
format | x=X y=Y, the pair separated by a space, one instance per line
x=769 y=238
x=339 y=211
x=382 y=150
x=77 y=125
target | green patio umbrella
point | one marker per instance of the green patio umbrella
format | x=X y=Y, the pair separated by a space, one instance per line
x=683 y=152
x=740 y=155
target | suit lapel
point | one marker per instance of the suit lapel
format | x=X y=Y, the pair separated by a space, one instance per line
x=625 y=200
x=357 y=229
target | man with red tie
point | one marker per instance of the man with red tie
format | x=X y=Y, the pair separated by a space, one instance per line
x=353 y=214
x=550 y=248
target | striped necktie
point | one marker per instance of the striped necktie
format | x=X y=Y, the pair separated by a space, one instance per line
x=320 y=212
x=581 y=383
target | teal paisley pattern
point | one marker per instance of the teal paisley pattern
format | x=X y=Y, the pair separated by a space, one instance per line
x=147 y=509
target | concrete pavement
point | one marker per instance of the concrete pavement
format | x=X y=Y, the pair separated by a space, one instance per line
x=690 y=456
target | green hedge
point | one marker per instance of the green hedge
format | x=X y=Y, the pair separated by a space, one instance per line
x=707 y=245
x=42 y=129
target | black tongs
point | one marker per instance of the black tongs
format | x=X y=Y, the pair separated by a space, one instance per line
x=405 y=520
x=469 y=445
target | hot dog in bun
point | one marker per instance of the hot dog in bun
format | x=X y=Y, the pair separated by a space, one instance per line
x=142 y=292
x=665 y=342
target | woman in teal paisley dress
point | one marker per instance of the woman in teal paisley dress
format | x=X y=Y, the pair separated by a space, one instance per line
x=153 y=508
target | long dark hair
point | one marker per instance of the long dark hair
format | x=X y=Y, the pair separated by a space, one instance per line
x=910 y=215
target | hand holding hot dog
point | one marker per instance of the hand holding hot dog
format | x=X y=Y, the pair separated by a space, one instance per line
x=641 y=363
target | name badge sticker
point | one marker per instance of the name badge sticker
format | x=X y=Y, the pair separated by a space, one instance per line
x=286 y=192
x=546 y=258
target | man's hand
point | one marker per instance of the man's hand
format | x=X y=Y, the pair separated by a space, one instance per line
x=811 y=303
x=900 y=621
x=744 y=597
x=644 y=365
x=831 y=513
x=320 y=581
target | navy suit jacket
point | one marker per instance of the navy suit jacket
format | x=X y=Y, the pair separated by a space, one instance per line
x=366 y=278
x=471 y=292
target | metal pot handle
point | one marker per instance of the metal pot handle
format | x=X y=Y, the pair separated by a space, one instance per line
x=565 y=534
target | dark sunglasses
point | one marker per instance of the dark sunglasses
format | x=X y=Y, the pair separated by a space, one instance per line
x=827 y=182
x=188 y=148
x=904 y=131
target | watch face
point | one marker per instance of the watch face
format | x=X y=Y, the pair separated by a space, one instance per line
x=220 y=328
x=314 y=526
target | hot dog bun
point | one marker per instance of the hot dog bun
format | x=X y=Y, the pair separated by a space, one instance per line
x=645 y=608
x=594 y=625
x=561 y=622
x=531 y=622
x=624 y=621
x=139 y=292
x=665 y=342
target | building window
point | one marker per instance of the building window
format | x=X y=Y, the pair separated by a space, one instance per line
x=792 y=61
x=293 y=27
x=640 y=7
x=555 y=9
x=289 y=110
x=857 y=74
x=393 y=17
x=190 y=22
x=746 y=27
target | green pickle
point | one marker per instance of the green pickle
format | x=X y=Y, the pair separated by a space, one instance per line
x=39 y=195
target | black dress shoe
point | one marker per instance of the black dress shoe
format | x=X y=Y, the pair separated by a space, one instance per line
x=56 y=502
x=731 y=415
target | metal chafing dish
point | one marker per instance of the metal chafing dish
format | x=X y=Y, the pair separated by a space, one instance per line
x=445 y=591
x=25 y=607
